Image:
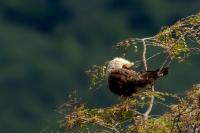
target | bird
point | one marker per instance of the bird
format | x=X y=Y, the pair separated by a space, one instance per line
x=123 y=81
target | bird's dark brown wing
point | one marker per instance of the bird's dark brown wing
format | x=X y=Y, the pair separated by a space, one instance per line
x=124 y=82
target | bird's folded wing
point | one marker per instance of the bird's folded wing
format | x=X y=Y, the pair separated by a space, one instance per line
x=127 y=75
x=136 y=78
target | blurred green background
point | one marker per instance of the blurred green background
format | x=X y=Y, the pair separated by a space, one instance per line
x=46 y=45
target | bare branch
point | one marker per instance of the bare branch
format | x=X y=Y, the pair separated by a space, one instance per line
x=144 y=55
x=148 y=111
x=146 y=114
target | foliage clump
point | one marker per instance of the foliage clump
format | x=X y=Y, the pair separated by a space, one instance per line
x=126 y=116
x=96 y=75
x=185 y=116
x=174 y=38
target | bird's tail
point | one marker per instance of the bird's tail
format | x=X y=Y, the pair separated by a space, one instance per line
x=155 y=74
x=162 y=72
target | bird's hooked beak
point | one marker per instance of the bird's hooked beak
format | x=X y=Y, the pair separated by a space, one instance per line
x=128 y=66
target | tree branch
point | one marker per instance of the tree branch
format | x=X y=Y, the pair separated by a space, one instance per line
x=146 y=114
x=148 y=111
x=144 y=54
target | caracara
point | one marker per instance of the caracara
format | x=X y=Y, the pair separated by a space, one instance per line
x=123 y=81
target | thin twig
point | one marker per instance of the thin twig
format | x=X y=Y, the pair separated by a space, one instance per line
x=164 y=63
x=137 y=112
x=102 y=124
x=154 y=55
x=138 y=62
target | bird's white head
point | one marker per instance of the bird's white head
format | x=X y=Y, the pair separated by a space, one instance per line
x=118 y=63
